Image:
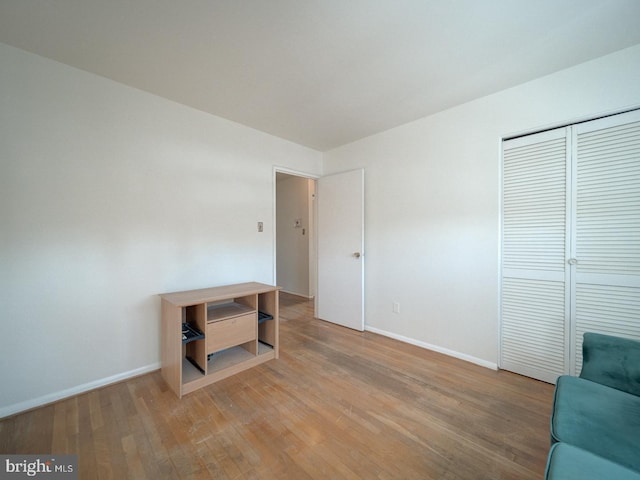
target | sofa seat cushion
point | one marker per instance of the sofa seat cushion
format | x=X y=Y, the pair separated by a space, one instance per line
x=567 y=462
x=597 y=418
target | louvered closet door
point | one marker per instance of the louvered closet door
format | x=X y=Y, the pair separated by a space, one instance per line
x=535 y=279
x=606 y=269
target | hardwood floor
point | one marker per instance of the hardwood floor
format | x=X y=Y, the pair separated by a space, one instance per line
x=337 y=404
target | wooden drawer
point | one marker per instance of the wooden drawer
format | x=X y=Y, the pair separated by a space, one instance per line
x=231 y=332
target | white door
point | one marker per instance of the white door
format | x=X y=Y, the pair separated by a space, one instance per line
x=570 y=243
x=340 y=233
x=605 y=261
x=535 y=280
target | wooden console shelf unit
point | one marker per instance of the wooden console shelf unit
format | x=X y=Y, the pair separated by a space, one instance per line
x=233 y=338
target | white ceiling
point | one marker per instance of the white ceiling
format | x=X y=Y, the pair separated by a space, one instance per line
x=321 y=73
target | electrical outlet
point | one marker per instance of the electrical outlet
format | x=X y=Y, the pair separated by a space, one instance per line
x=396 y=307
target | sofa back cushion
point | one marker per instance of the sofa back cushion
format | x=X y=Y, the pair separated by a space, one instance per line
x=611 y=361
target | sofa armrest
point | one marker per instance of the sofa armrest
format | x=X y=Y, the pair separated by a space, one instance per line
x=611 y=361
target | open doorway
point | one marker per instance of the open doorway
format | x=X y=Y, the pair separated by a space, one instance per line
x=295 y=234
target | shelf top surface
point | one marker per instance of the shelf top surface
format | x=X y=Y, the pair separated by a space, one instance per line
x=213 y=294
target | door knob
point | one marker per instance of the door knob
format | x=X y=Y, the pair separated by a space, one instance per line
x=357 y=255
x=573 y=261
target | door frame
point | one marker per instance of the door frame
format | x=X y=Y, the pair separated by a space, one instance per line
x=314 y=240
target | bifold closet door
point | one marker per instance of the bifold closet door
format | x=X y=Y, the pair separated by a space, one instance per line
x=570 y=243
x=535 y=280
x=605 y=265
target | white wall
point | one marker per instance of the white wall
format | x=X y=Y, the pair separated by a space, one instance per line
x=109 y=196
x=432 y=203
x=292 y=243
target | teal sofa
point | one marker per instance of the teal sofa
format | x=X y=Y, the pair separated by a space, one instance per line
x=595 y=419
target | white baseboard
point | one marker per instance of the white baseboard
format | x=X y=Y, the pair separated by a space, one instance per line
x=435 y=348
x=70 y=392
